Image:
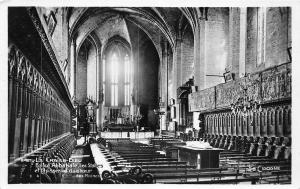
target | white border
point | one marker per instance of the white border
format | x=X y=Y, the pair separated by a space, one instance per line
x=295 y=4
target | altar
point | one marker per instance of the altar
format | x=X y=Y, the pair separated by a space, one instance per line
x=198 y=154
x=199 y=157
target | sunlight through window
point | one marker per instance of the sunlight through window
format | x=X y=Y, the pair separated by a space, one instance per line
x=114 y=72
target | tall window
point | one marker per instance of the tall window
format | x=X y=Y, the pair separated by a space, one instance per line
x=114 y=72
x=127 y=80
x=117 y=79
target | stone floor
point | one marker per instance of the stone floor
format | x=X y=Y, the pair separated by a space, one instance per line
x=82 y=153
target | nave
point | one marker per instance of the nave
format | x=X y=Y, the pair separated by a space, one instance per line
x=146 y=95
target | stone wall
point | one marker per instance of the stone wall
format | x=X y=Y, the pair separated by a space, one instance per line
x=59 y=37
x=277 y=36
x=278 y=29
x=216 y=45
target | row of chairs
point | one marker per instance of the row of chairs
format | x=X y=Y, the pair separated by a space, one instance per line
x=272 y=147
x=250 y=154
x=35 y=167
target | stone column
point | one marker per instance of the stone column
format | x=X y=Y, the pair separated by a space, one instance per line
x=199 y=60
x=177 y=74
x=199 y=55
x=137 y=77
x=243 y=40
x=164 y=83
x=177 y=64
x=100 y=99
x=234 y=41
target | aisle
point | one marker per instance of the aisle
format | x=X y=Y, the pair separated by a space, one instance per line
x=82 y=153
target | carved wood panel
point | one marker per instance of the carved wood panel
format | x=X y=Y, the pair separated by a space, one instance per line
x=271 y=125
x=269 y=85
x=276 y=83
x=234 y=124
x=279 y=121
x=203 y=100
x=230 y=132
x=227 y=94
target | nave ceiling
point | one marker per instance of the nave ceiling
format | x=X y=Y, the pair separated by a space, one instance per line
x=157 y=23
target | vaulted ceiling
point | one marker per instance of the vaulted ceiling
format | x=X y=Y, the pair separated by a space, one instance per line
x=105 y=22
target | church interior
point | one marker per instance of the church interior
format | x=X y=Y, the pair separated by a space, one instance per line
x=146 y=95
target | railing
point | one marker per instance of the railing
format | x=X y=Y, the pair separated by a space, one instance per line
x=131 y=135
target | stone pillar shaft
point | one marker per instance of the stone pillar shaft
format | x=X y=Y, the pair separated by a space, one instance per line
x=243 y=38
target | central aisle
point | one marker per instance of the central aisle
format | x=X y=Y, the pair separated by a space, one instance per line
x=82 y=153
